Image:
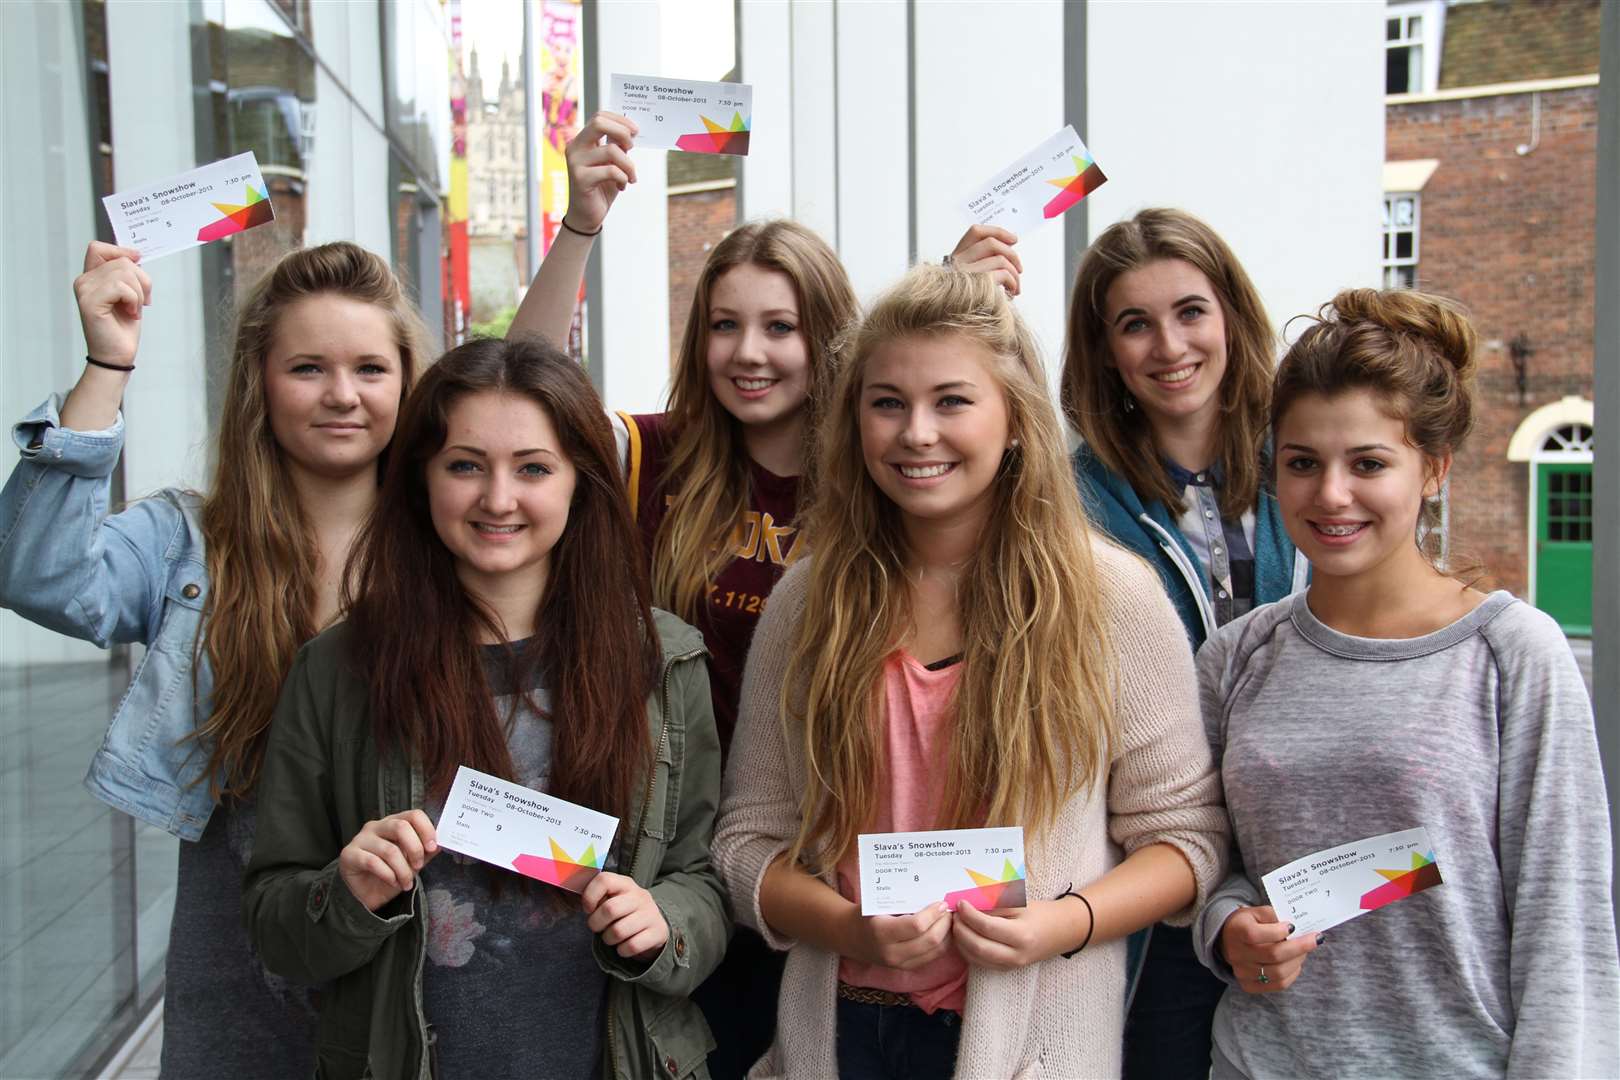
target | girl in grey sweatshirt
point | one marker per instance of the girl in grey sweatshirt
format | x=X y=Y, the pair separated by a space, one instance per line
x=1387 y=697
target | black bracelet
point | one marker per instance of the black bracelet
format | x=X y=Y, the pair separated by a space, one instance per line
x=110 y=367
x=563 y=221
x=1068 y=890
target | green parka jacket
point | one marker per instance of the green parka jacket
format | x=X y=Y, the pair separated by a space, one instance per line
x=323 y=779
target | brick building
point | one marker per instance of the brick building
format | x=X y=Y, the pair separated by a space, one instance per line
x=702 y=209
x=1490 y=186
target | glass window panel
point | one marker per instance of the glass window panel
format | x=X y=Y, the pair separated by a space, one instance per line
x=1404 y=211
x=1403 y=245
x=1555 y=530
x=1392 y=29
x=1396 y=71
x=1414 y=27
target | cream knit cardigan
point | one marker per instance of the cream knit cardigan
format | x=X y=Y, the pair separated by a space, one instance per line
x=1059 y=1018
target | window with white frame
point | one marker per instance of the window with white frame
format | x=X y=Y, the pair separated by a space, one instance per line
x=1412 y=36
x=1400 y=254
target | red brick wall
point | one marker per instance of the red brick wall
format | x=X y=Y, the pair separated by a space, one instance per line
x=1513 y=238
x=697 y=221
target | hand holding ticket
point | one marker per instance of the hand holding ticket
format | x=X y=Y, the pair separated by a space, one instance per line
x=1037 y=187
x=902 y=873
x=191 y=209
x=678 y=114
x=518 y=828
x=1340 y=883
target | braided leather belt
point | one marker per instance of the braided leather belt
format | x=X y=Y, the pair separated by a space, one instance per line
x=866 y=995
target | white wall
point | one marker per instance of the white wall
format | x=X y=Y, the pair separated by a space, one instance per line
x=1266 y=120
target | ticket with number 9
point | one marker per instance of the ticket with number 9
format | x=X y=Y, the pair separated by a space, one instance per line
x=519 y=828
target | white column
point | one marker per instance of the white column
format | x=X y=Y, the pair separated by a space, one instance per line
x=989 y=88
x=764 y=42
x=871 y=151
x=628 y=286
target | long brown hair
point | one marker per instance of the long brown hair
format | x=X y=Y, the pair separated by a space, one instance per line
x=1094 y=396
x=1034 y=720
x=1415 y=351
x=262 y=559
x=708 y=461
x=416 y=630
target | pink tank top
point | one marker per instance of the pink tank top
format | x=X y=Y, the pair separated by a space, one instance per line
x=917 y=732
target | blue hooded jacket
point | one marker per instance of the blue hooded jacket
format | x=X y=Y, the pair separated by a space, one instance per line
x=1150 y=530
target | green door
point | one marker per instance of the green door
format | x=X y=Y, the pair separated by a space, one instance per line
x=1564 y=544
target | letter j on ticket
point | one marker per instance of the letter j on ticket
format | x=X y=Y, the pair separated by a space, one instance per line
x=191 y=209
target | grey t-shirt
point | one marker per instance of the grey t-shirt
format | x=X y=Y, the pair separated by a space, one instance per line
x=1480 y=732
x=510 y=986
x=224 y=1014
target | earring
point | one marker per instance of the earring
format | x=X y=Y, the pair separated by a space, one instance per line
x=1013 y=445
x=1130 y=403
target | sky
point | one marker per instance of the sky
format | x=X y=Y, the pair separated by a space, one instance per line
x=698 y=37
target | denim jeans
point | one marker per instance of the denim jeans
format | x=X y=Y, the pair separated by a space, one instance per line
x=739 y=1002
x=1167 y=1034
x=891 y=1042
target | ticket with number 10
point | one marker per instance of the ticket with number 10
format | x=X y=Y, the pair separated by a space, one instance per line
x=679 y=114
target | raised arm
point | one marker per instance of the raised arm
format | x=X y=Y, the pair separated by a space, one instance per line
x=599 y=167
x=65 y=564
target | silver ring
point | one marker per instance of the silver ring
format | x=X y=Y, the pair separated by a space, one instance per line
x=1264 y=978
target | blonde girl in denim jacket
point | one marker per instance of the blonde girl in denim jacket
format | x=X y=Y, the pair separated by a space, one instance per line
x=221 y=588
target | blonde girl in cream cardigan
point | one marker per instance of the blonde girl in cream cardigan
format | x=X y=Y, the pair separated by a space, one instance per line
x=960 y=650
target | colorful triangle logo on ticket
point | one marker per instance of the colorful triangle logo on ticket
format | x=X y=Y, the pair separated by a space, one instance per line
x=988 y=892
x=718 y=139
x=254 y=210
x=1086 y=179
x=561 y=869
x=1424 y=874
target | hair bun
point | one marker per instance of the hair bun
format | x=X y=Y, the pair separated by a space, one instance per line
x=1435 y=321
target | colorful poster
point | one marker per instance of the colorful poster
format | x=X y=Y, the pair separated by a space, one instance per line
x=560 y=96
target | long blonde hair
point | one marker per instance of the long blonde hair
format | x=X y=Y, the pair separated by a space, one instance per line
x=261 y=554
x=1094 y=397
x=708 y=463
x=1034 y=719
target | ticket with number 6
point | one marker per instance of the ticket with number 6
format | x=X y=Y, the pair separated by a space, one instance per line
x=518 y=828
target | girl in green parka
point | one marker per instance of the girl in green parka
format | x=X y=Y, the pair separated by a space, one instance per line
x=495 y=622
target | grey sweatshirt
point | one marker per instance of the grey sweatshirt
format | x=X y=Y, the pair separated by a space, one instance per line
x=1480 y=732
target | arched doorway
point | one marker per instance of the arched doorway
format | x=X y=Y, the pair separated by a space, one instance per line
x=1555 y=442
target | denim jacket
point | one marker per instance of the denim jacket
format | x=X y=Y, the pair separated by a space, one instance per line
x=137 y=575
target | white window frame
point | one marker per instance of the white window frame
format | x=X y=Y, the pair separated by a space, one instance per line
x=1387 y=259
x=1428 y=42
